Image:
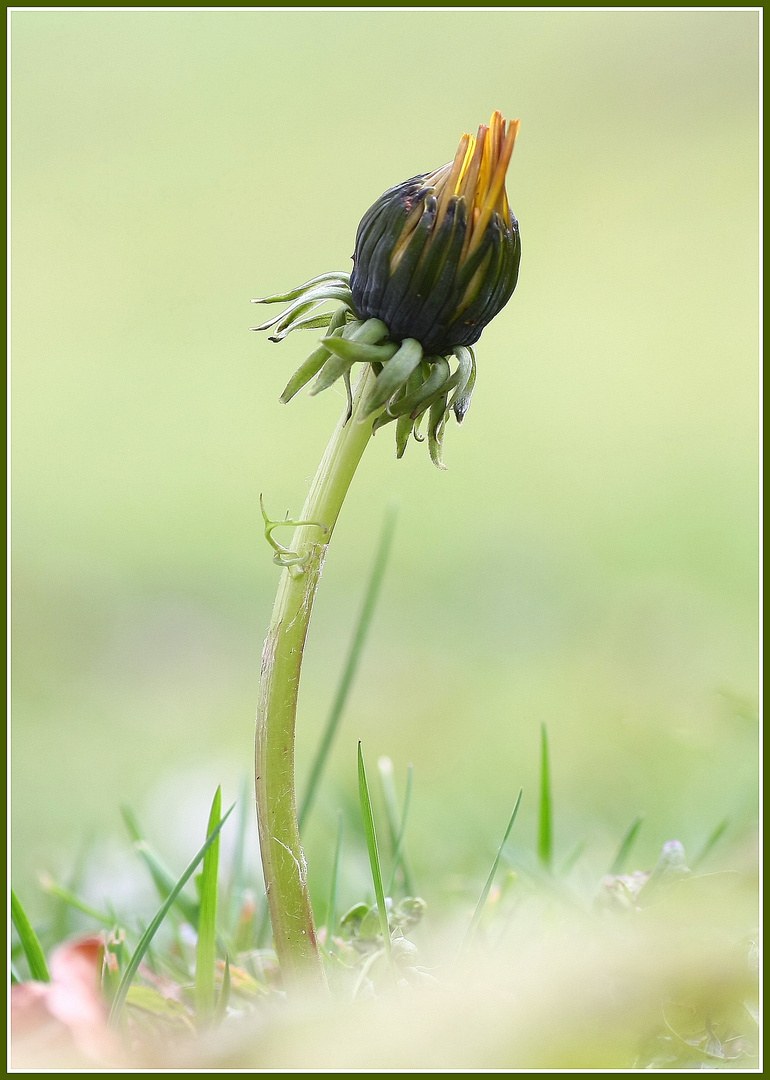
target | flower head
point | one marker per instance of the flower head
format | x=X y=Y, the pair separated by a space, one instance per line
x=436 y=258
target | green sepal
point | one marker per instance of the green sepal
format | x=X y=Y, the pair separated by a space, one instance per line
x=333 y=369
x=316 y=360
x=305 y=303
x=285 y=298
x=367 y=333
x=311 y=322
x=436 y=426
x=433 y=377
x=461 y=400
x=404 y=426
x=395 y=374
x=358 y=352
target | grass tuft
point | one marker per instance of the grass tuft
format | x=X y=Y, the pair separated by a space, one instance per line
x=711 y=843
x=220 y=1012
x=162 y=877
x=396 y=822
x=206 y=948
x=474 y=924
x=71 y=900
x=626 y=844
x=237 y=880
x=38 y=968
x=374 y=858
x=144 y=943
x=545 y=819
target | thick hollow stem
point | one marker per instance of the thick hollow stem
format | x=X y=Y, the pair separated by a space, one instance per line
x=283 y=860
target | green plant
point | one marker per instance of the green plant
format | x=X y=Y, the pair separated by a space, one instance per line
x=435 y=259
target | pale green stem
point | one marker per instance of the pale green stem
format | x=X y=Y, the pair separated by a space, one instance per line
x=283 y=860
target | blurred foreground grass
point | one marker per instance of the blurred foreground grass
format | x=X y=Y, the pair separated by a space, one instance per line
x=645 y=970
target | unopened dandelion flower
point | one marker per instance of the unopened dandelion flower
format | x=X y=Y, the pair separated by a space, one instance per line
x=436 y=258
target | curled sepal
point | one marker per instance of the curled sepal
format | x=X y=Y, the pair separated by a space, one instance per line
x=310 y=322
x=394 y=375
x=434 y=374
x=355 y=334
x=316 y=360
x=461 y=399
x=336 y=277
x=436 y=428
x=307 y=302
x=357 y=352
x=335 y=367
x=404 y=426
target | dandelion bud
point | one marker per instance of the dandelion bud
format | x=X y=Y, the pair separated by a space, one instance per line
x=437 y=257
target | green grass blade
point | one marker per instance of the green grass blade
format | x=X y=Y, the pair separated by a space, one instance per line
x=69 y=898
x=351 y=665
x=374 y=858
x=220 y=1012
x=628 y=841
x=545 y=820
x=38 y=968
x=474 y=924
x=162 y=877
x=713 y=839
x=138 y=955
x=206 y=948
x=237 y=873
x=399 y=859
x=572 y=858
x=331 y=907
x=61 y=916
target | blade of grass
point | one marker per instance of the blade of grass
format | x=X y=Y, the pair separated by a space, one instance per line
x=60 y=922
x=162 y=877
x=572 y=858
x=351 y=664
x=545 y=820
x=115 y=948
x=68 y=897
x=374 y=858
x=331 y=907
x=206 y=949
x=626 y=844
x=385 y=769
x=398 y=854
x=474 y=923
x=133 y=965
x=220 y=1012
x=38 y=968
x=713 y=839
x=237 y=873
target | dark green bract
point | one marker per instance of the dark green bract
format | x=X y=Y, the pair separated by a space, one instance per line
x=433 y=293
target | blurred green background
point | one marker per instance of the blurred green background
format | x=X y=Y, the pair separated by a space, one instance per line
x=589 y=560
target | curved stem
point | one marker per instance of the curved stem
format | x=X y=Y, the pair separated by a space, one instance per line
x=283 y=860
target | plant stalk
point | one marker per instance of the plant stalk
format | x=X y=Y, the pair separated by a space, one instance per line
x=283 y=860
